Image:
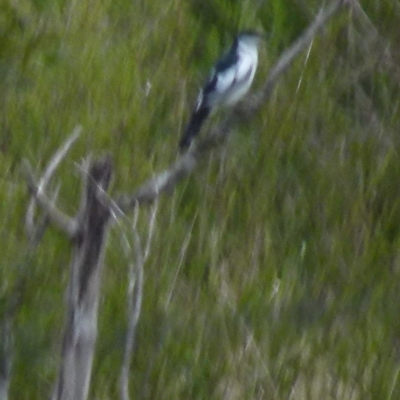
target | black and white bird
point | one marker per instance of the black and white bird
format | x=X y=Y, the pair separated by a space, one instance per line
x=229 y=81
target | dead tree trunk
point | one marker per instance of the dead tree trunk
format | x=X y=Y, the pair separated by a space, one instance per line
x=84 y=288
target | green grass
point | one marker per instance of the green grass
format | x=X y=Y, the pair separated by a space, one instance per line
x=288 y=288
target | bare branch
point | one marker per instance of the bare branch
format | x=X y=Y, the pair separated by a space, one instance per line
x=295 y=49
x=35 y=235
x=58 y=157
x=66 y=224
x=134 y=293
x=35 y=231
x=186 y=163
x=150 y=233
x=150 y=190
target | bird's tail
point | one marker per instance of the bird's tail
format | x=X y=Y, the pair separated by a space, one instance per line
x=194 y=126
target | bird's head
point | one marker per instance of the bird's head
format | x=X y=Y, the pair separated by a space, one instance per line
x=250 y=37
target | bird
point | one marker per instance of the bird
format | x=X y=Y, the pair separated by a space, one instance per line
x=229 y=81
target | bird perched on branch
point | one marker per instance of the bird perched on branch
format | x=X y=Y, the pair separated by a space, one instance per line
x=229 y=81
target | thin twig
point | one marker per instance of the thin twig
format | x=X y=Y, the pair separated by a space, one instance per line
x=294 y=50
x=182 y=254
x=35 y=231
x=134 y=292
x=36 y=236
x=150 y=233
x=134 y=299
x=61 y=220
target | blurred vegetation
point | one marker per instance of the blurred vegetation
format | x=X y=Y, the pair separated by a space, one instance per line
x=289 y=285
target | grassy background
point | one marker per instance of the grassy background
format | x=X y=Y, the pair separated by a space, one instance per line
x=288 y=287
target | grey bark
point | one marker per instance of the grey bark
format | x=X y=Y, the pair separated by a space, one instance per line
x=84 y=289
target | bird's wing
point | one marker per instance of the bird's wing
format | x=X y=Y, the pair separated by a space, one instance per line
x=228 y=70
x=219 y=82
x=226 y=62
x=223 y=75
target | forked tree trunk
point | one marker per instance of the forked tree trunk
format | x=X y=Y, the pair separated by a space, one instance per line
x=84 y=288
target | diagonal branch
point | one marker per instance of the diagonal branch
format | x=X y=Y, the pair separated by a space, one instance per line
x=294 y=50
x=150 y=190
x=35 y=231
x=187 y=162
x=60 y=220
x=37 y=189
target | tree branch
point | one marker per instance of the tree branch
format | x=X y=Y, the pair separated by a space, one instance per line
x=187 y=162
x=134 y=293
x=294 y=50
x=65 y=223
x=35 y=231
x=150 y=190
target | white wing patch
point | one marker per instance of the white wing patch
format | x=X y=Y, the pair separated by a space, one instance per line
x=226 y=80
x=232 y=84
